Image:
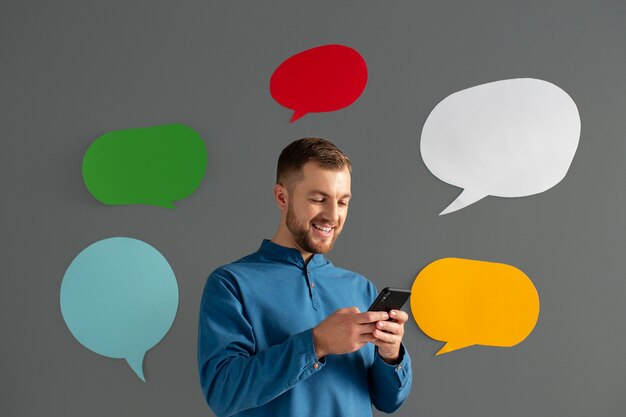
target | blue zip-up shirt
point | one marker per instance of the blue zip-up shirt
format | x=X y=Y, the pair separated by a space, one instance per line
x=255 y=344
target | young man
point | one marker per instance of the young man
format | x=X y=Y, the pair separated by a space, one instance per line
x=283 y=332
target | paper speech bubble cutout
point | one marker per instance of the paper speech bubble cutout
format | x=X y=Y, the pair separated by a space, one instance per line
x=510 y=138
x=464 y=302
x=322 y=79
x=119 y=298
x=153 y=165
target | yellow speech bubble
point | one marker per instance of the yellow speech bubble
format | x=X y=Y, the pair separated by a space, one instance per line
x=464 y=302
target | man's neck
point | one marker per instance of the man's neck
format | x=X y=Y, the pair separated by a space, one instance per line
x=288 y=242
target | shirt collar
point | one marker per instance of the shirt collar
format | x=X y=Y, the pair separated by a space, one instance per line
x=289 y=255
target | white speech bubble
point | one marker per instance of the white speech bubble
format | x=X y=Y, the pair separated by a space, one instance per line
x=509 y=138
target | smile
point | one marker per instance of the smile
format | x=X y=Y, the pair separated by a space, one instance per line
x=324 y=229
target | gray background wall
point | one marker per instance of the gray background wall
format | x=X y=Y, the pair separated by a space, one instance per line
x=71 y=71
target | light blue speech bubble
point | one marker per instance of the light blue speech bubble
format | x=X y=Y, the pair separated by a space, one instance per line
x=119 y=298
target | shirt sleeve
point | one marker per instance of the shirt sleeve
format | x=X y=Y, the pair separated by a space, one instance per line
x=234 y=376
x=390 y=384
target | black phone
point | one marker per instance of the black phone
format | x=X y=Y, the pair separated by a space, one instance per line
x=390 y=299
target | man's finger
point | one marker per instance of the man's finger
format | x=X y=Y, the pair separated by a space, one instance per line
x=399 y=316
x=381 y=343
x=348 y=310
x=385 y=337
x=367 y=328
x=366 y=338
x=390 y=327
x=372 y=316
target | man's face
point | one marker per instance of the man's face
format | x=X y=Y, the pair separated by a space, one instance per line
x=317 y=207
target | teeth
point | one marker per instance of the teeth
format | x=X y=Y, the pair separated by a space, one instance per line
x=324 y=229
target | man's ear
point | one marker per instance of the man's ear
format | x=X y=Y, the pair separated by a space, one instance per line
x=281 y=196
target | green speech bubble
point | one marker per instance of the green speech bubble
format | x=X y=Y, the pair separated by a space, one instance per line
x=153 y=165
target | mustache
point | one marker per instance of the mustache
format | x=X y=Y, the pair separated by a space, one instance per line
x=324 y=222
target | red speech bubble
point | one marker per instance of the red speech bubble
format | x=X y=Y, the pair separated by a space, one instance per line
x=321 y=79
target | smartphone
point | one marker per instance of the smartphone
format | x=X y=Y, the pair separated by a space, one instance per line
x=390 y=299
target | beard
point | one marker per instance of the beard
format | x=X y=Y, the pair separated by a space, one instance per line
x=302 y=234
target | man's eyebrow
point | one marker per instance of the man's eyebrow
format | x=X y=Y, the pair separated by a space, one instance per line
x=322 y=193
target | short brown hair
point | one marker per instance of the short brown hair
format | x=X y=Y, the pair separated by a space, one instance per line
x=301 y=151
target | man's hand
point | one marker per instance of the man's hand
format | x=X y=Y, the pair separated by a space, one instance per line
x=347 y=330
x=388 y=336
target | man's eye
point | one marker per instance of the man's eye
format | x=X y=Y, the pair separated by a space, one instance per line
x=316 y=201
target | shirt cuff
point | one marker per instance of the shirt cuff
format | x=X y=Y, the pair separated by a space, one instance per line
x=312 y=359
x=399 y=373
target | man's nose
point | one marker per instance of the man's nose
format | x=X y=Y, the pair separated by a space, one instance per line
x=332 y=213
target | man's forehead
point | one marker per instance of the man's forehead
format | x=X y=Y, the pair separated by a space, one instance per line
x=324 y=180
x=313 y=172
